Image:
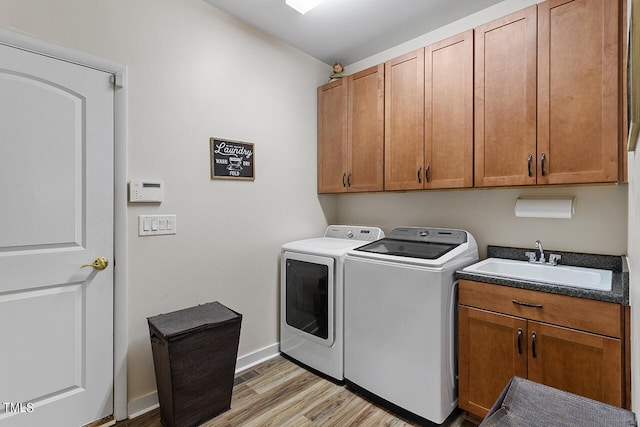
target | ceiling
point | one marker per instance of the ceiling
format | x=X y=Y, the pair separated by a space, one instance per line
x=349 y=30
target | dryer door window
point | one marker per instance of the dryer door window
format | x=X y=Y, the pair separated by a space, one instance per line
x=309 y=297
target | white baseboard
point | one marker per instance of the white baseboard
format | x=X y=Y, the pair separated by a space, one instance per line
x=252 y=359
x=149 y=402
x=142 y=405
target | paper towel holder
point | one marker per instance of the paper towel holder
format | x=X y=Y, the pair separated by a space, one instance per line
x=549 y=207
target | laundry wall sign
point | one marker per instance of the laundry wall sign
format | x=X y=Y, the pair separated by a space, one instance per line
x=232 y=159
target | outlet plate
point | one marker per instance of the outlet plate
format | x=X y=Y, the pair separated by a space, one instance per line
x=154 y=225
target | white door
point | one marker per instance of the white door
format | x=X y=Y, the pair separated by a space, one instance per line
x=56 y=213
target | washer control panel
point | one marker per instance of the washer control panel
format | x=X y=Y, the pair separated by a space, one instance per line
x=354 y=232
x=432 y=235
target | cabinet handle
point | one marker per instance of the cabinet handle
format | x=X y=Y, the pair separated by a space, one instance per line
x=426 y=173
x=519 y=341
x=533 y=344
x=349 y=180
x=542 y=159
x=526 y=304
x=344 y=175
x=419 y=175
x=529 y=164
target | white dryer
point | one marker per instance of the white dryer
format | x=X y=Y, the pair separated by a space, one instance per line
x=311 y=309
x=400 y=317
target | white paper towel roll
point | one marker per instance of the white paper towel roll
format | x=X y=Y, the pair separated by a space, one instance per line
x=545 y=208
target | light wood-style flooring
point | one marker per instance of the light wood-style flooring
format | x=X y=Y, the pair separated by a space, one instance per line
x=280 y=393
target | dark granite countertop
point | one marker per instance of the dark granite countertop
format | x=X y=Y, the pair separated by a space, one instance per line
x=617 y=264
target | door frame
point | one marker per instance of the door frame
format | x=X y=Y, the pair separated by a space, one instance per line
x=120 y=320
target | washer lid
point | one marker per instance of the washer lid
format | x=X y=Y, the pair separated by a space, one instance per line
x=406 y=248
x=417 y=242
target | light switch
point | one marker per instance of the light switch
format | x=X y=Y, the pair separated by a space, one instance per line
x=153 y=225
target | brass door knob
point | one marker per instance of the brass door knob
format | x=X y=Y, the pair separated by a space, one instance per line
x=99 y=264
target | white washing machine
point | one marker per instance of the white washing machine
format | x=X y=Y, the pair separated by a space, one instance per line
x=311 y=319
x=400 y=318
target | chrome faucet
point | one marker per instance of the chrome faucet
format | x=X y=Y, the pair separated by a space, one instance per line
x=533 y=257
x=541 y=249
x=554 y=258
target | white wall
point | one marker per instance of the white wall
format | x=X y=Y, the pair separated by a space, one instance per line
x=634 y=263
x=195 y=73
x=598 y=226
x=634 y=266
x=471 y=21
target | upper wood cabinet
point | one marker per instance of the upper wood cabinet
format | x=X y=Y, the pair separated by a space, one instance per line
x=578 y=91
x=429 y=116
x=449 y=113
x=532 y=98
x=404 y=122
x=575 y=90
x=351 y=133
x=332 y=137
x=366 y=130
x=505 y=100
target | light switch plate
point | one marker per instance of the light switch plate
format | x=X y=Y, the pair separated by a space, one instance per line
x=154 y=225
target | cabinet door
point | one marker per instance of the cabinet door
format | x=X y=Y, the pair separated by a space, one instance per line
x=505 y=100
x=332 y=137
x=492 y=349
x=449 y=112
x=366 y=130
x=578 y=362
x=578 y=91
x=404 y=120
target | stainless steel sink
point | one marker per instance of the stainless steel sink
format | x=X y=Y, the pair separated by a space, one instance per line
x=564 y=275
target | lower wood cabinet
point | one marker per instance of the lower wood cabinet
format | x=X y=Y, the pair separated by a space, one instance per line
x=579 y=362
x=488 y=357
x=569 y=343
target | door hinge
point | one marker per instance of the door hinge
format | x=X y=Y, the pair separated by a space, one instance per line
x=117 y=80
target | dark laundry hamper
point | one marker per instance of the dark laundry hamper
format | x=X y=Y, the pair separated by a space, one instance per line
x=525 y=403
x=194 y=356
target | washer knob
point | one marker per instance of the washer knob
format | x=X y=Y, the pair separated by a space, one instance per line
x=350 y=234
x=424 y=233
